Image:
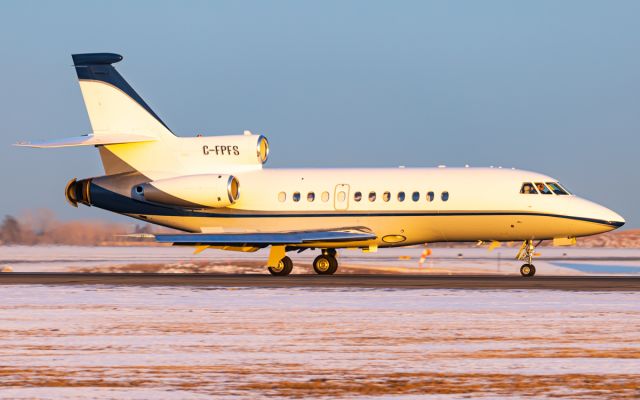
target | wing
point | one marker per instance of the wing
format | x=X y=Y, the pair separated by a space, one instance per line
x=263 y=239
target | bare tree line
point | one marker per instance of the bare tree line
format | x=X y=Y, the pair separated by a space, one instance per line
x=41 y=227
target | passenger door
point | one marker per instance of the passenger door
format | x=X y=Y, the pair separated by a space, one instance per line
x=341 y=197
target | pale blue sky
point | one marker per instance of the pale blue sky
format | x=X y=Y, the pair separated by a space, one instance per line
x=550 y=86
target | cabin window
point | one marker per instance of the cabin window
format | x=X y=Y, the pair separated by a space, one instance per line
x=415 y=196
x=296 y=196
x=528 y=188
x=542 y=188
x=357 y=196
x=282 y=196
x=444 y=196
x=325 y=196
x=430 y=196
x=372 y=196
x=342 y=196
x=311 y=197
x=556 y=188
x=400 y=196
x=386 y=196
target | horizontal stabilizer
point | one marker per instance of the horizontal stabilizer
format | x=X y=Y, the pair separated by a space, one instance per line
x=89 y=140
x=264 y=238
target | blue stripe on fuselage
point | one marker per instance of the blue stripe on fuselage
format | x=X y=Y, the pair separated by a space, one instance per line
x=108 y=200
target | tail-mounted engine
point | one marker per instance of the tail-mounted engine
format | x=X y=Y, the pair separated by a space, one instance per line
x=230 y=150
x=77 y=191
x=195 y=191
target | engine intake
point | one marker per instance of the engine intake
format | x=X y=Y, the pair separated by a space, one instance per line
x=194 y=191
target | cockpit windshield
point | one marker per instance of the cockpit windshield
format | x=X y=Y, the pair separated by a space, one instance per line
x=543 y=188
x=557 y=189
x=563 y=187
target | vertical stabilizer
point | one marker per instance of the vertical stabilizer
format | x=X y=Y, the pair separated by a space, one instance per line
x=112 y=104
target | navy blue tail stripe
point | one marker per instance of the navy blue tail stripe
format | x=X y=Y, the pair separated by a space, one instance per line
x=97 y=67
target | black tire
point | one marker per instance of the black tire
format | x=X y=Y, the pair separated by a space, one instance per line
x=527 y=270
x=285 y=266
x=325 y=264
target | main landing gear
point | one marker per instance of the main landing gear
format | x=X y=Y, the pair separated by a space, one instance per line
x=526 y=253
x=281 y=265
x=326 y=263
x=284 y=267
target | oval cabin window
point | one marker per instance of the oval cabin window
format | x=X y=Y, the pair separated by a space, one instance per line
x=445 y=196
x=415 y=196
x=296 y=196
x=357 y=196
x=372 y=196
x=400 y=196
x=311 y=197
x=386 y=196
x=282 y=196
x=430 y=196
x=342 y=196
x=325 y=196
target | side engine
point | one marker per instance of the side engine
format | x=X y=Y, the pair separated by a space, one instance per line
x=197 y=191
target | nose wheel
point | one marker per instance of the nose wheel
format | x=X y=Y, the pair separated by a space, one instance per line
x=326 y=263
x=527 y=270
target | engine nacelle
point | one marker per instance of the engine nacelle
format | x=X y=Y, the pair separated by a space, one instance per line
x=232 y=150
x=194 y=191
x=77 y=191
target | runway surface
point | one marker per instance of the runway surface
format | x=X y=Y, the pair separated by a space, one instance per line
x=575 y=283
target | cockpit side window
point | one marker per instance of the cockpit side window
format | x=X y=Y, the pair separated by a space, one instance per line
x=528 y=188
x=563 y=187
x=556 y=188
x=542 y=188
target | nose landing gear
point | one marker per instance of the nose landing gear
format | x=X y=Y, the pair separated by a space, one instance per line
x=527 y=270
x=526 y=253
x=326 y=263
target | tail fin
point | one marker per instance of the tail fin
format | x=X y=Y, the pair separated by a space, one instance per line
x=126 y=131
x=112 y=104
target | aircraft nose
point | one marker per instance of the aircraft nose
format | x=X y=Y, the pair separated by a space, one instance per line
x=611 y=217
x=617 y=219
x=597 y=213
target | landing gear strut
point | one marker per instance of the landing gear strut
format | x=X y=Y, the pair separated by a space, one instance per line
x=326 y=263
x=526 y=253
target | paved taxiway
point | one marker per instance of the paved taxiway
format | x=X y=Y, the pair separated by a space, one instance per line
x=581 y=283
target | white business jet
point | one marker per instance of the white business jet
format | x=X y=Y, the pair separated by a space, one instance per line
x=216 y=190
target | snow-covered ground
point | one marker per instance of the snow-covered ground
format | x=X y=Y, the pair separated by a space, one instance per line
x=178 y=342
x=85 y=342
x=565 y=261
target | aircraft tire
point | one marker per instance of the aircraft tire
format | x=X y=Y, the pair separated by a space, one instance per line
x=527 y=270
x=325 y=264
x=285 y=266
